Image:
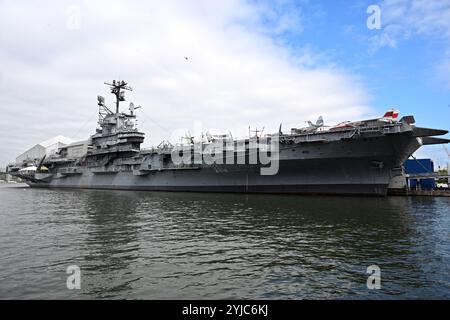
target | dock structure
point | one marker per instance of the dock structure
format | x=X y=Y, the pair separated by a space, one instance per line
x=417 y=190
x=428 y=175
x=4 y=176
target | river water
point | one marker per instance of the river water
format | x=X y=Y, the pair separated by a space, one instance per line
x=156 y=245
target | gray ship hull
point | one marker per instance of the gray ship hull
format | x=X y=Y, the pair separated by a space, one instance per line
x=319 y=176
x=358 y=158
x=340 y=167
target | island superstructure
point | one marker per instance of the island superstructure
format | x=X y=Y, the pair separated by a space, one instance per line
x=358 y=158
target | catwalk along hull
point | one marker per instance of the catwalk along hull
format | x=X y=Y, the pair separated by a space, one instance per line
x=305 y=180
x=343 y=167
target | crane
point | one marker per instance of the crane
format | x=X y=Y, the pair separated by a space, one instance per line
x=446 y=150
x=448 y=154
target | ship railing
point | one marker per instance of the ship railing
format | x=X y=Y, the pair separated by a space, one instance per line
x=390 y=128
x=126 y=134
x=120 y=162
x=68 y=170
x=370 y=130
x=156 y=150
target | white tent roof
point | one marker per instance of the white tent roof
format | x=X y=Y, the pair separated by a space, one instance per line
x=77 y=143
x=54 y=140
x=31 y=168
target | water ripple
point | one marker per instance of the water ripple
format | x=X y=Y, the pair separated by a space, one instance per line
x=224 y=246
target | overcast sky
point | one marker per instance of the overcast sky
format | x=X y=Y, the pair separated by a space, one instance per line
x=258 y=63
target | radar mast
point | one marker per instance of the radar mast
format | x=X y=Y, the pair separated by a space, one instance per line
x=116 y=89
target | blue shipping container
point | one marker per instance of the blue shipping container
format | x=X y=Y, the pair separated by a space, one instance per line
x=420 y=166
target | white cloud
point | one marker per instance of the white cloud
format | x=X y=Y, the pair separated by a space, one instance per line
x=387 y=38
x=403 y=18
x=442 y=68
x=236 y=74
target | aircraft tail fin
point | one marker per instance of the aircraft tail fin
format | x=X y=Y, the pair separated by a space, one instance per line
x=391 y=114
x=319 y=122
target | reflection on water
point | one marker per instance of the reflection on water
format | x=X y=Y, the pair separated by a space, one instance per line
x=112 y=242
x=192 y=245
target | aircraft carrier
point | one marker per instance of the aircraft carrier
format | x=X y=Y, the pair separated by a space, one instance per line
x=351 y=158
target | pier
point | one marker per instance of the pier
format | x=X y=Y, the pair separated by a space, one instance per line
x=5 y=177
x=408 y=191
